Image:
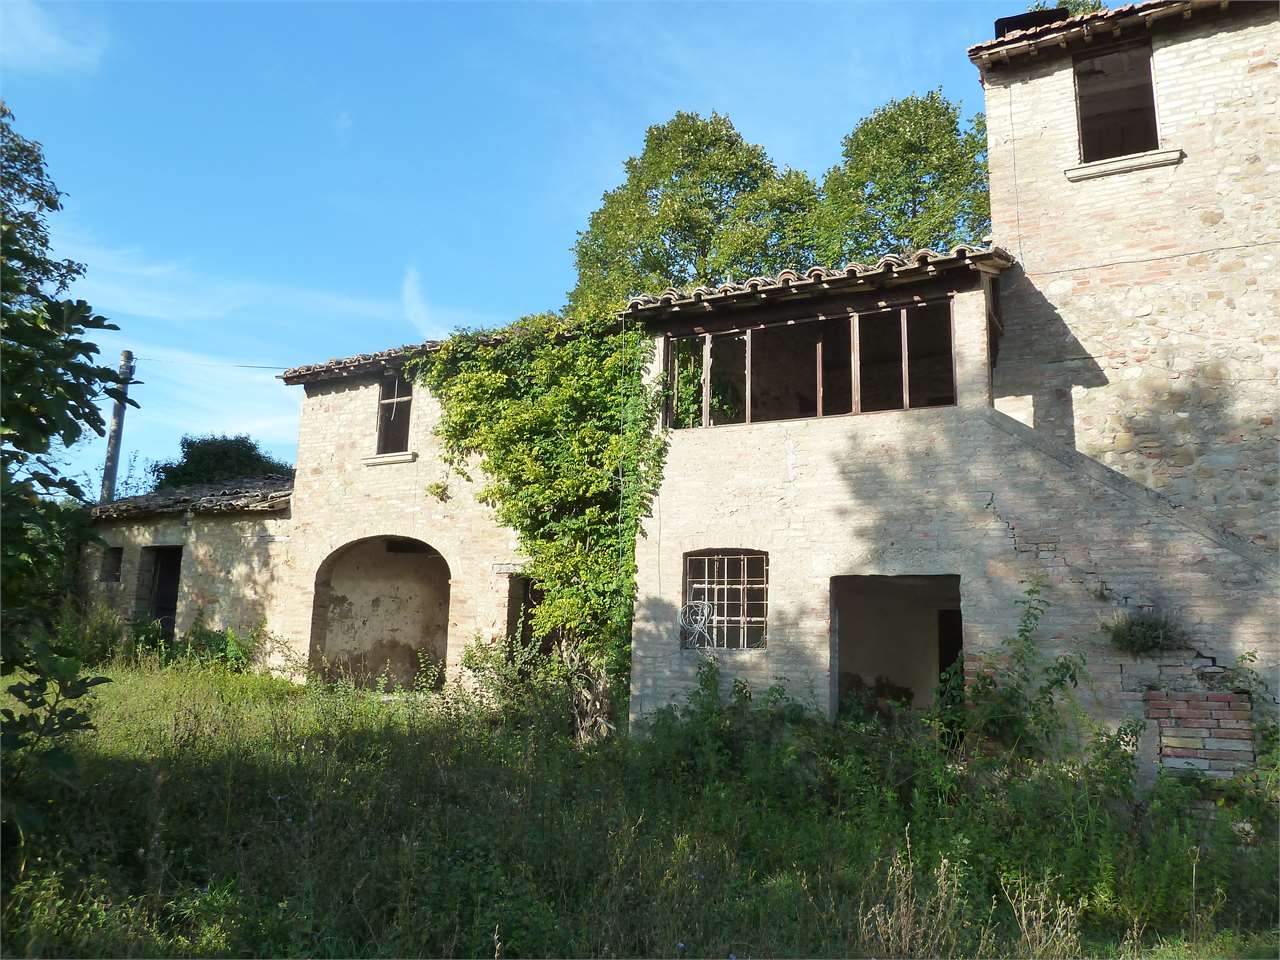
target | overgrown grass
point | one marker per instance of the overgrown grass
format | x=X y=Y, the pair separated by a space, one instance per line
x=227 y=814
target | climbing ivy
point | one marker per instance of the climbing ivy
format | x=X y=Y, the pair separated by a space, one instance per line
x=553 y=418
x=554 y=411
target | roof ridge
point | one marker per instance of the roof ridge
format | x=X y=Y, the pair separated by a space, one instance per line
x=791 y=277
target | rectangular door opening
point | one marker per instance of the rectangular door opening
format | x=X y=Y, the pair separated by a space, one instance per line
x=159 y=575
x=895 y=636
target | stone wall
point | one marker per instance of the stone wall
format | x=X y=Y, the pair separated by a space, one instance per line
x=247 y=569
x=343 y=494
x=231 y=565
x=961 y=490
x=1141 y=323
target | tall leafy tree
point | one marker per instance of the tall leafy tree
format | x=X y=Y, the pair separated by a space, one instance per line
x=699 y=205
x=51 y=383
x=212 y=458
x=552 y=408
x=913 y=175
x=1074 y=7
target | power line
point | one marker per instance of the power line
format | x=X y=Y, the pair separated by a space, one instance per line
x=211 y=362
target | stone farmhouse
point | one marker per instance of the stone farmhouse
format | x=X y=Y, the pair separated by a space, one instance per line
x=868 y=465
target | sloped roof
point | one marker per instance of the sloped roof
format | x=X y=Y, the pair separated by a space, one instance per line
x=1085 y=26
x=918 y=265
x=362 y=363
x=243 y=495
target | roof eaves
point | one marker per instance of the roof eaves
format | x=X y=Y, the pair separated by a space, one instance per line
x=1085 y=26
x=924 y=261
x=358 y=365
x=269 y=493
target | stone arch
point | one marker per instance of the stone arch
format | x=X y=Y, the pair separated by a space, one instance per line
x=381 y=606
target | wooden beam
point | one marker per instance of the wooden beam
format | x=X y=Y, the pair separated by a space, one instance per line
x=748 y=375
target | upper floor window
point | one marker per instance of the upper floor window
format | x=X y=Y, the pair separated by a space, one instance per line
x=726 y=599
x=891 y=359
x=394 y=399
x=1116 y=103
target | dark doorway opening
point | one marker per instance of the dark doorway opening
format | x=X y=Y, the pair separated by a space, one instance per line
x=159 y=575
x=894 y=636
x=950 y=639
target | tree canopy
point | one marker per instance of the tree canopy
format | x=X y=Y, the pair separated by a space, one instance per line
x=1074 y=7
x=553 y=408
x=699 y=205
x=912 y=176
x=50 y=389
x=211 y=458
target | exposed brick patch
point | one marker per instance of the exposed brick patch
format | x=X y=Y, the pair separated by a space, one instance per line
x=1193 y=738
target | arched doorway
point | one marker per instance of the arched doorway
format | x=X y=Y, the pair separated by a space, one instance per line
x=381 y=608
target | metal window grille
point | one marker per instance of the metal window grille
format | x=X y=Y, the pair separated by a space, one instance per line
x=735 y=589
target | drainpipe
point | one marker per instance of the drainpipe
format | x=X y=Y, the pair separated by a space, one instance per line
x=112 y=463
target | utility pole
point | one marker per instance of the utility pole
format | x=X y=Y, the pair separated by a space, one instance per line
x=117 y=427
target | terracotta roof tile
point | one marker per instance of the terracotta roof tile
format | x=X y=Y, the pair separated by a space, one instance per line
x=922 y=260
x=243 y=495
x=359 y=364
x=1027 y=40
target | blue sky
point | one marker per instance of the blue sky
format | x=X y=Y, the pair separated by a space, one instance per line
x=275 y=184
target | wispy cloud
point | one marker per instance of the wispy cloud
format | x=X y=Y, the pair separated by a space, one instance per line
x=415 y=305
x=127 y=280
x=343 y=121
x=191 y=392
x=44 y=38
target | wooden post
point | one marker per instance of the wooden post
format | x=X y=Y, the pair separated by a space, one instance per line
x=818 y=357
x=906 y=381
x=706 y=379
x=114 y=432
x=855 y=376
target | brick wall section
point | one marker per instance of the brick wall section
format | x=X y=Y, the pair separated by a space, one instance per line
x=1140 y=324
x=1206 y=733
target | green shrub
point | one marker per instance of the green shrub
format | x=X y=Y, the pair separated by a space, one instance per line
x=1145 y=631
x=93 y=635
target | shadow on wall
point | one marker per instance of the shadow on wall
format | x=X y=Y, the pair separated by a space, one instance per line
x=1188 y=408
x=667 y=673
x=1040 y=360
x=229 y=578
x=948 y=492
x=381 y=611
x=1192 y=442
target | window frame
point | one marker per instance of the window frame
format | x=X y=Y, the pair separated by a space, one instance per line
x=1151 y=76
x=723 y=583
x=406 y=400
x=670 y=357
x=111 y=569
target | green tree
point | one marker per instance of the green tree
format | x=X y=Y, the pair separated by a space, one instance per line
x=211 y=458
x=1074 y=7
x=699 y=205
x=553 y=409
x=50 y=390
x=912 y=176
